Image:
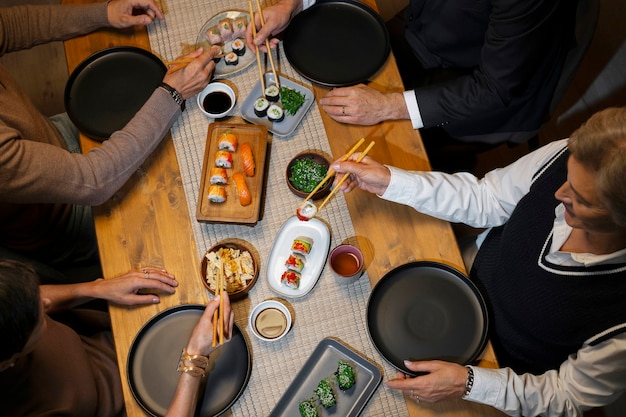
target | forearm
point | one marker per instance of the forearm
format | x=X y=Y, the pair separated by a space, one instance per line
x=185 y=397
x=65 y=296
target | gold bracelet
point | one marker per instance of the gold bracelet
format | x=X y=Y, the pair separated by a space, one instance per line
x=198 y=365
x=191 y=370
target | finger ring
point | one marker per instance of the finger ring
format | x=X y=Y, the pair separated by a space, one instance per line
x=145 y=273
x=414 y=397
x=343 y=110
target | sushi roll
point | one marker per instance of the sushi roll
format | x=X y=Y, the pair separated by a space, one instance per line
x=239 y=47
x=218 y=56
x=225 y=26
x=227 y=141
x=247 y=159
x=295 y=262
x=231 y=58
x=223 y=159
x=308 y=408
x=275 y=113
x=218 y=176
x=291 y=279
x=213 y=33
x=272 y=93
x=326 y=395
x=260 y=106
x=217 y=194
x=239 y=27
x=302 y=245
x=242 y=189
x=306 y=211
x=345 y=375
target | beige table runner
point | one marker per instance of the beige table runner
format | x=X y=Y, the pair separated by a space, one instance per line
x=329 y=309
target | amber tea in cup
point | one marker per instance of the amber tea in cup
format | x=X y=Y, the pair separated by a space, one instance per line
x=346 y=263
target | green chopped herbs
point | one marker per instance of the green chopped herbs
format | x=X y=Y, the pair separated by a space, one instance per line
x=325 y=394
x=345 y=375
x=306 y=174
x=291 y=100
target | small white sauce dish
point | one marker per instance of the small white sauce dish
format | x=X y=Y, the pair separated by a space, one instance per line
x=270 y=320
x=217 y=100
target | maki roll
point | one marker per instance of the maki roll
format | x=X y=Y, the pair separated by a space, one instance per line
x=272 y=93
x=239 y=26
x=326 y=395
x=217 y=194
x=260 y=106
x=345 y=375
x=308 y=408
x=275 y=113
x=231 y=58
x=239 y=47
x=218 y=176
x=291 y=279
x=295 y=262
x=302 y=245
x=225 y=26
x=227 y=141
x=223 y=159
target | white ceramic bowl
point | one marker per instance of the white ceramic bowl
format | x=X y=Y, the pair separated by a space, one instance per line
x=221 y=104
x=270 y=320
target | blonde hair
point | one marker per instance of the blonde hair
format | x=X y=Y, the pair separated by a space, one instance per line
x=600 y=145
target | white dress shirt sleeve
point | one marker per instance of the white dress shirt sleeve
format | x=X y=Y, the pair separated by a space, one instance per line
x=307 y=3
x=593 y=377
x=462 y=197
x=414 y=110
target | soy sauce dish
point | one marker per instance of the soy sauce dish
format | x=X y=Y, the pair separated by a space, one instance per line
x=216 y=100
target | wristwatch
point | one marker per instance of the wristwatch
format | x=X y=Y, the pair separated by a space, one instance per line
x=175 y=95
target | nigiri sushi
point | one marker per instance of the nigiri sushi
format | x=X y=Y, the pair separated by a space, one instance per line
x=218 y=176
x=217 y=194
x=295 y=262
x=242 y=189
x=223 y=159
x=225 y=27
x=247 y=159
x=302 y=245
x=291 y=279
x=227 y=141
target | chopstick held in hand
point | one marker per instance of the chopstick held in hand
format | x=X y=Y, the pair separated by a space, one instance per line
x=258 y=54
x=267 y=43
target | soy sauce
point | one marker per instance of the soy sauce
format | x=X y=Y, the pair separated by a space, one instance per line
x=217 y=102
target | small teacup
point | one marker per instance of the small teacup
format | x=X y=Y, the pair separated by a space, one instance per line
x=216 y=100
x=346 y=263
x=270 y=320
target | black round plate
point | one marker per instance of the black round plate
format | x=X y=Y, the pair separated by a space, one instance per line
x=105 y=91
x=154 y=356
x=337 y=43
x=425 y=311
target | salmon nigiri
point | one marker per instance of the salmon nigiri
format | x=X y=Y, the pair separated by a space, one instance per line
x=242 y=189
x=247 y=159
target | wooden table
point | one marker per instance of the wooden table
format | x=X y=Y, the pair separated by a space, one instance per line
x=147 y=222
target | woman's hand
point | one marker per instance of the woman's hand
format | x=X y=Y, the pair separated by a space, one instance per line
x=362 y=105
x=277 y=18
x=201 y=340
x=126 y=13
x=443 y=380
x=193 y=77
x=368 y=175
x=135 y=287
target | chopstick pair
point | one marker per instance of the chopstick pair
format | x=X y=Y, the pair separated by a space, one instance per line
x=218 y=315
x=267 y=45
x=345 y=176
x=181 y=63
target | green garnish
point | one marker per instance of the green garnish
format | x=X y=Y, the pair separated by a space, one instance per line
x=306 y=174
x=291 y=99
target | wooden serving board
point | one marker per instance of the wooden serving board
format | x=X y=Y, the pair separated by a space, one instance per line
x=231 y=211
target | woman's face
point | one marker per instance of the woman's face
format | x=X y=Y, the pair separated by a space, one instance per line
x=583 y=208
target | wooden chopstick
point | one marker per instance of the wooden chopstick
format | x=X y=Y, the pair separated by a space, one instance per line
x=334 y=190
x=331 y=171
x=267 y=45
x=258 y=54
x=218 y=315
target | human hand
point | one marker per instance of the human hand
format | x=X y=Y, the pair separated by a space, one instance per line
x=123 y=13
x=201 y=340
x=362 y=105
x=368 y=175
x=191 y=79
x=443 y=380
x=277 y=18
x=136 y=287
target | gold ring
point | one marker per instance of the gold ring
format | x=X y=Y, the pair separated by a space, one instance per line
x=414 y=397
x=145 y=273
x=343 y=110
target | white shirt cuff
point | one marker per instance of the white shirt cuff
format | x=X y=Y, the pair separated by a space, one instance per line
x=414 y=110
x=307 y=3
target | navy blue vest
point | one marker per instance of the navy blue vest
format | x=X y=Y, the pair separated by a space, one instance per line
x=540 y=312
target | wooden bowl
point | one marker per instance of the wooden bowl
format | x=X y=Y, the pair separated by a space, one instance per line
x=241 y=245
x=316 y=157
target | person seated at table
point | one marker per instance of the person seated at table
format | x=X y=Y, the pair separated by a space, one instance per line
x=551 y=266
x=58 y=358
x=47 y=187
x=469 y=71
